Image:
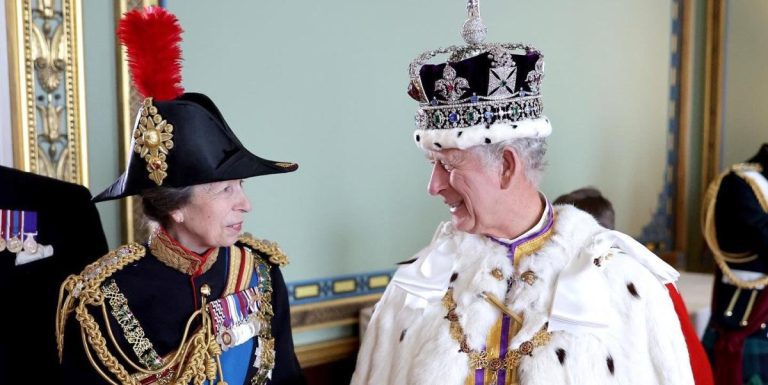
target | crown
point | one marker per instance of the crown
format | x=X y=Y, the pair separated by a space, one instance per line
x=484 y=93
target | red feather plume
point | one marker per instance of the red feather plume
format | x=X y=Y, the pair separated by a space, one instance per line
x=151 y=38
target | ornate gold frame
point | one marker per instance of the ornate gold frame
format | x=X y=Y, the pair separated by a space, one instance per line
x=47 y=88
x=128 y=100
x=680 y=215
x=713 y=91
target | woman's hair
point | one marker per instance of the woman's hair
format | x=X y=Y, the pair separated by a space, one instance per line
x=590 y=199
x=159 y=202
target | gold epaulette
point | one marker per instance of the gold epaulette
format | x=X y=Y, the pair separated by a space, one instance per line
x=269 y=248
x=83 y=289
x=721 y=257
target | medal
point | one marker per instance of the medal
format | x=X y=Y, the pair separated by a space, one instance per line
x=3 y=232
x=14 y=243
x=30 y=245
x=29 y=228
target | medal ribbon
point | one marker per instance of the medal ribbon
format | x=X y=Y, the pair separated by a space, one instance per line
x=3 y=224
x=30 y=223
x=15 y=224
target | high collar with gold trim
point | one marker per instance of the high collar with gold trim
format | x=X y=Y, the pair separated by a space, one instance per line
x=174 y=255
x=533 y=239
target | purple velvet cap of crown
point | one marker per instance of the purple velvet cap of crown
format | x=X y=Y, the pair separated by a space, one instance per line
x=477 y=71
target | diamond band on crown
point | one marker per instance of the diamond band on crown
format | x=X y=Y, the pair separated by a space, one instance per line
x=472 y=114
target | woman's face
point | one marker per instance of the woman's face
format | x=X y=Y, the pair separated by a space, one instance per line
x=212 y=218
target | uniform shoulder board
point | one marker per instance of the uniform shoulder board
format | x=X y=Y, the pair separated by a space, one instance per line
x=95 y=273
x=268 y=248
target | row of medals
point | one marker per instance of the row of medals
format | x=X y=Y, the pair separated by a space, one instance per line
x=15 y=245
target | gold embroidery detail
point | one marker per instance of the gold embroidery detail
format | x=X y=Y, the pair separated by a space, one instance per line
x=152 y=141
x=271 y=249
x=132 y=329
x=175 y=257
x=532 y=245
x=265 y=352
x=496 y=273
x=528 y=277
x=285 y=164
x=480 y=359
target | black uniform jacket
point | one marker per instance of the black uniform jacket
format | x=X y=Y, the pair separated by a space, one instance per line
x=162 y=298
x=68 y=221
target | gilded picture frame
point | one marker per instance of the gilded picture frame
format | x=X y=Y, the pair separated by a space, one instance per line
x=45 y=60
x=128 y=99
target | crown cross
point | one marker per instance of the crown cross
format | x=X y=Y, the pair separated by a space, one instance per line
x=501 y=81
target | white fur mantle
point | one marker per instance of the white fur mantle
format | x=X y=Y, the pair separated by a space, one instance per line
x=408 y=343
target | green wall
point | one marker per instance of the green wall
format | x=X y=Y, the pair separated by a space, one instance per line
x=746 y=81
x=323 y=84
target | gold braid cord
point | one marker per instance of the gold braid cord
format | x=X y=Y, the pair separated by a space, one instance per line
x=271 y=249
x=195 y=361
x=722 y=258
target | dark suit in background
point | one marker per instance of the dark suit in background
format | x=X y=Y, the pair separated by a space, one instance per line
x=66 y=220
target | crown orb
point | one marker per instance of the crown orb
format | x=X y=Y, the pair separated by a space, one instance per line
x=474 y=31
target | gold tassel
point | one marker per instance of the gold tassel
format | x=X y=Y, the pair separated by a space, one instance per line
x=729 y=310
x=751 y=303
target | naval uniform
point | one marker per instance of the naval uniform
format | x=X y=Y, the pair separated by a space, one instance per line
x=736 y=229
x=149 y=299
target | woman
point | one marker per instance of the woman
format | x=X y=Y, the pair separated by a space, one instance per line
x=199 y=301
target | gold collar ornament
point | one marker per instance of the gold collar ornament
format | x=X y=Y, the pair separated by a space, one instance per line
x=152 y=141
x=172 y=254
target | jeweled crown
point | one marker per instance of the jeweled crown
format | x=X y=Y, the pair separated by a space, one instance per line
x=482 y=85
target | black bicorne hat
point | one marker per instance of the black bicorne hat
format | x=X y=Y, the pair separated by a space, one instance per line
x=179 y=139
x=184 y=142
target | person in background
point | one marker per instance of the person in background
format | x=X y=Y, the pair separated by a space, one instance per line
x=43 y=228
x=735 y=226
x=591 y=200
x=513 y=290
x=200 y=301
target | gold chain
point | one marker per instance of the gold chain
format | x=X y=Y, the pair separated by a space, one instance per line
x=481 y=359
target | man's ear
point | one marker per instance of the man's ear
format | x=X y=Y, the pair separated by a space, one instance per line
x=509 y=167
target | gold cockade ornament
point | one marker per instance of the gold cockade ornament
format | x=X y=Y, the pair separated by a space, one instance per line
x=152 y=141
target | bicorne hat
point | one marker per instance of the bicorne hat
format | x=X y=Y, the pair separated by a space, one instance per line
x=485 y=93
x=179 y=139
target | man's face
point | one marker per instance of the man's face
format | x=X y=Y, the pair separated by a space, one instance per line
x=469 y=188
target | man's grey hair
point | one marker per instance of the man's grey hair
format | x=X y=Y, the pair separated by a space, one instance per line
x=530 y=151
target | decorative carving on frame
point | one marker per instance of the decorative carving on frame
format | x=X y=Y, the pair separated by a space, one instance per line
x=47 y=88
x=129 y=101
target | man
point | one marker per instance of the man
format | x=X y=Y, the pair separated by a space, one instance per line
x=736 y=229
x=513 y=290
